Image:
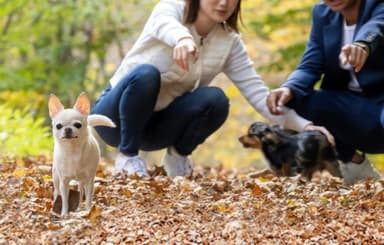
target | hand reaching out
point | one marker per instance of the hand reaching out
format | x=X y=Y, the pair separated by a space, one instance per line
x=185 y=47
x=278 y=98
x=354 y=54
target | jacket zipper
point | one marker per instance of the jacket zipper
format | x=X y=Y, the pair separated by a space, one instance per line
x=198 y=81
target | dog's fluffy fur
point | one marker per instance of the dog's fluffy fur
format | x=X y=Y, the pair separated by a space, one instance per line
x=76 y=152
x=290 y=153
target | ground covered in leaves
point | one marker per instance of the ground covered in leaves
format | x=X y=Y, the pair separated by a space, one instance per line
x=215 y=206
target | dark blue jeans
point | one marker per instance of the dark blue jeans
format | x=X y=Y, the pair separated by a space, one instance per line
x=184 y=124
x=355 y=121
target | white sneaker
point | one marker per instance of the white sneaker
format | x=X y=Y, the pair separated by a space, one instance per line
x=130 y=165
x=353 y=172
x=176 y=164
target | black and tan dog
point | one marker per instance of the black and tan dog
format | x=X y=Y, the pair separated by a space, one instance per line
x=290 y=153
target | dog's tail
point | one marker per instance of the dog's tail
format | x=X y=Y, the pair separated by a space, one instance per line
x=100 y=120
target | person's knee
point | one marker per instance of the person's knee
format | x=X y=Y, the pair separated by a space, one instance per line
x=217 y=101
x=208 y=102
x=146 y=80
x=148 y=71
x=319 y=105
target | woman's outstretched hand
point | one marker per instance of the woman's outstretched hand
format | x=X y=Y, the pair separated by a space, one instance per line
x=183 y=49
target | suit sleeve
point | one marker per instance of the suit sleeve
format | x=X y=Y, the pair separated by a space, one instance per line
x=308 y=72
x=372 y=32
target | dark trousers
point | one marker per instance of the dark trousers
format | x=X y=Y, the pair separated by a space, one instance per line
x=355 y=121
x=184 y=124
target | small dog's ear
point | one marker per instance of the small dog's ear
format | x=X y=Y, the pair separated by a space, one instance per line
x=54 y=105
x=82 y=104
x=250 y=142
x=258 y=129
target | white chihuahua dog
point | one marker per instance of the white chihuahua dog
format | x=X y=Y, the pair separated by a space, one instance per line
x=76 y=152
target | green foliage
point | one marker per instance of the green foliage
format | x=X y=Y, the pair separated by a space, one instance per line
x=61 y=46
x=285 y=58
x=23 y=135
x=21 y=99
x=284 y=27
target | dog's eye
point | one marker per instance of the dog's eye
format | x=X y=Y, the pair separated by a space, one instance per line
x=59 y=126
x=77 y=125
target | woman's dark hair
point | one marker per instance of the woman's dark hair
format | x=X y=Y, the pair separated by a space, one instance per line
x=191 y=11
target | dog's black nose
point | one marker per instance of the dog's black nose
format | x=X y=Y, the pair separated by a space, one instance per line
x=68 y=132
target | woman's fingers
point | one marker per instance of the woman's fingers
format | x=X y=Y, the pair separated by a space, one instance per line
x=183 y=49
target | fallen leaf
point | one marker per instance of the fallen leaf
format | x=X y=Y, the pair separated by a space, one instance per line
x=94 y=214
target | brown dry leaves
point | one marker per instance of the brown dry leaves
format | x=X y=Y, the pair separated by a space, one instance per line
x=216 y=206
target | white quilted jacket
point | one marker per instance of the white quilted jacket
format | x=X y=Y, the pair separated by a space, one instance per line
x=222 y=50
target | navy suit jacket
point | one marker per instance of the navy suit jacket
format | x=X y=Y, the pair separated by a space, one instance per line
x=321 y=57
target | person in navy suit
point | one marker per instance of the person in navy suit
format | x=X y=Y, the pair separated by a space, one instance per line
x=345 y=53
